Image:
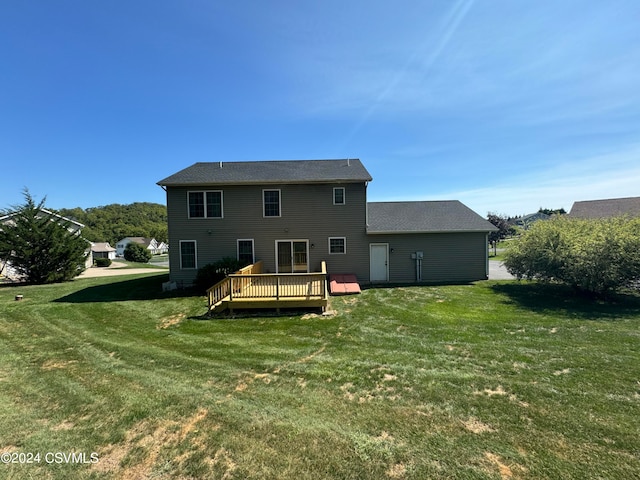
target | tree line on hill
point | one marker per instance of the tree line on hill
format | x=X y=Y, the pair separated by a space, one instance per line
x=114 y=222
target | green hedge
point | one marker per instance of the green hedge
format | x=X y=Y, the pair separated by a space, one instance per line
x=134 y=252
x=102 y=262
x=596 y=256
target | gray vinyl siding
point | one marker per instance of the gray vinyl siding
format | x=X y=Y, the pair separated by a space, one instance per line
x=448 y=257
x=307 y=213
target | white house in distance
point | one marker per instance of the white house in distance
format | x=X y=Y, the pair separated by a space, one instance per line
x=150 y=244
x=103 y=250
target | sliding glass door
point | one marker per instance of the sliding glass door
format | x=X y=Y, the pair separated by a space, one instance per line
x=292 y=256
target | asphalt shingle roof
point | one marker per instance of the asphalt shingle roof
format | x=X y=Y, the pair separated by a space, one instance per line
x=141 y=240
x=612 y=207
x=102 y=247
x=265 y=172
x=72 y=224
x=424 y=217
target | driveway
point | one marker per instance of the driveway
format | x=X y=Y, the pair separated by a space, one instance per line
x=118 y=268
x=497 y=271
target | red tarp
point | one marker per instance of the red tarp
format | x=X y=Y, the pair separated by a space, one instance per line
x=343 y=284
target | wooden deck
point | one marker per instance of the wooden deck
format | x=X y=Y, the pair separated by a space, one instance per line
x=250 y=288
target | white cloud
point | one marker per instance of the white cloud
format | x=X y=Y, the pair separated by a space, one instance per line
x=607 y=176
x=613 y=175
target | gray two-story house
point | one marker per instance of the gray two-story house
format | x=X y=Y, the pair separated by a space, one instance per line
x=293 y=215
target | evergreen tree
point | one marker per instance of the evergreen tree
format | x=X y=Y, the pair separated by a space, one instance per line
x=39 y=245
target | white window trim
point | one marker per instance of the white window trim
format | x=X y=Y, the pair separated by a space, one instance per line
x=195 y=242
x=344 y=239
x=253 y=248
x=279 y=202
x=344 y=195
x=205 y=205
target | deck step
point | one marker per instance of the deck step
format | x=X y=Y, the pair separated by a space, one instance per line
x=220 y=305
x=343 y=284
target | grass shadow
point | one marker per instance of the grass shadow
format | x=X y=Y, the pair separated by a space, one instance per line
x=8 y=284
x=264 y=313
x=541 y=298
x=141 y=288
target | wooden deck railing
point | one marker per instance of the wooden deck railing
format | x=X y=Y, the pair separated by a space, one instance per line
x=249 y=283
x=217 y=293
x=253 y=269
x=222 y=289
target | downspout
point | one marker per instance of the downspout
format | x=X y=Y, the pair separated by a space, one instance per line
x=366 y=206
x=486 y=252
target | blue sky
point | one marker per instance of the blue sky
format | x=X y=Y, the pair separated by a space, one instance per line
x=506 y=105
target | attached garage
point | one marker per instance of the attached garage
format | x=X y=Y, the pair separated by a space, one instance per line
x=430 y=242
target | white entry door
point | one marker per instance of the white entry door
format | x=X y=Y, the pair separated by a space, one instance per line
x=378 y=262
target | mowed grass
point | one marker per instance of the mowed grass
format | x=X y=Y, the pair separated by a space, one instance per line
x=493 y=380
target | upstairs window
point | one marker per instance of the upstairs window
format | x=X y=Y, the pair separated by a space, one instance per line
x=271 y=203
x=205 y=204
x=338 y=196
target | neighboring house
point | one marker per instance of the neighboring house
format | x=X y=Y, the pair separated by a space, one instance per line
x=527 y=220
x=103 y=250
x=150 y=244
x=613 y=207
x=293 y=215
x=72 y=225
x=162 y=248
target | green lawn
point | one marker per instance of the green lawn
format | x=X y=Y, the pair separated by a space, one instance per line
x=502 y=247
x=492 y=380
x=159 y=258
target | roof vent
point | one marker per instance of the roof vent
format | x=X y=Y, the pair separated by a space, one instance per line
x=348 y=162
x=220 y=164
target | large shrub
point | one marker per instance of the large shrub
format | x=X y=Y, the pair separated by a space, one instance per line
x=135 y=252
x=212 y=273
x=102 y=262
x=597 y=256
x=39 y=244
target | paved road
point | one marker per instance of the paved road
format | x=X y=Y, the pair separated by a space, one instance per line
x=497 y=271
